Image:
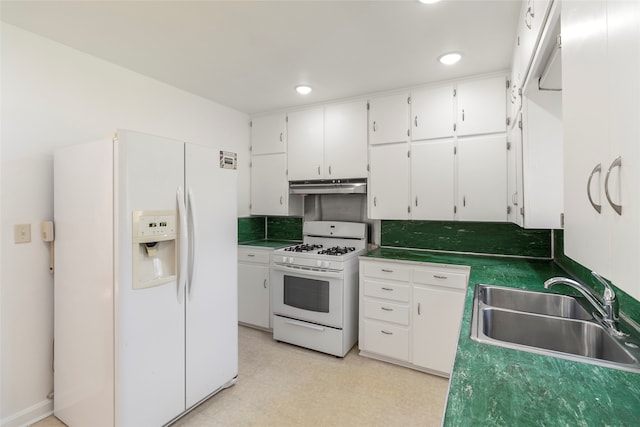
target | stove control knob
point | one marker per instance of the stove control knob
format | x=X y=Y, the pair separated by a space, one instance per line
x=327 y=264
x=319 y=263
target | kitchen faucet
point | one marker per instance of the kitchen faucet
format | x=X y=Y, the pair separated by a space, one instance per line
x=607 y=304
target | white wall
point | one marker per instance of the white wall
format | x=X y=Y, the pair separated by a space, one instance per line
x=54 y=96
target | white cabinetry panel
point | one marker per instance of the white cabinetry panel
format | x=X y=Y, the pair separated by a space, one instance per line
x=389 y=119
x=432 y=180
x=482 y=106
x=345 y=140
x=306 y=144
x=482 y=178
x=389 y=181
x=268 y=134
x=432 y=113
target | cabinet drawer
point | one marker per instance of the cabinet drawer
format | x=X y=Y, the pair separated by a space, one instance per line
x=386 y=311
x=250 y=255
x=386 y=339
x=443 y=278
x=392 y=291
x=387 y=271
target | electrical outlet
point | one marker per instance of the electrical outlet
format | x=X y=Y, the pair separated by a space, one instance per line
x=22 y=233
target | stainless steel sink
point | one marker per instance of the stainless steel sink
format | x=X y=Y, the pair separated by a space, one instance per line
x=548 y=324
x=533 y=302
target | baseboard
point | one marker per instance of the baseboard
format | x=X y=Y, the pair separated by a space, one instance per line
x=29 y=415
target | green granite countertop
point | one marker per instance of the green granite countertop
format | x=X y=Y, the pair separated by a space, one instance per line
x=268 y=243
x=495 y=386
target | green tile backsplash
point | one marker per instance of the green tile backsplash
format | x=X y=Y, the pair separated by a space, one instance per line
x=284 y=228
x=627 y=303
x=473 y=237
x=251 y=228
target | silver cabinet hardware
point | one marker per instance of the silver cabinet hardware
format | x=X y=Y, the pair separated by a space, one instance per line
x=281 y=137
x=437 y=276
x=265 y=283
x=464 y=201
x=415 y=121
x=386 y=309
x=251 y=255
x=375 y=201
x=616 y=207
x=387 y=270
x=374 y=125
x=598 y=169
x=387 y=289
x=329 y=169
x=418 y=309
x=281 y=200
x=386 y=332
x=463 y=115
x=416 y=200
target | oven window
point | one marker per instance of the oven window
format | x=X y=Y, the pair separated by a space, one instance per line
x=306 y=294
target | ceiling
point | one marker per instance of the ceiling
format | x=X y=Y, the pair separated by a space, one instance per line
x=249 y=55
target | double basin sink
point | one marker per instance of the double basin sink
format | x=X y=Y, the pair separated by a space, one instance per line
x=551 y=324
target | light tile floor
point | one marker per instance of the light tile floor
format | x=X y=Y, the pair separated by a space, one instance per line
x=283 y=385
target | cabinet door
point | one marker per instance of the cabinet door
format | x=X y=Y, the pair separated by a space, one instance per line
x=389 y=119
x=624 y=135
x=268 y=134
x=345 y=140
x=253 y=294
x=585 y=111
x=514 y=176
x=436 y=318
x=389 y=182
x=432 y=113
x=482 y=106
x=482 y=178
x=306 y=144
x=432 y=178
x=269 y=185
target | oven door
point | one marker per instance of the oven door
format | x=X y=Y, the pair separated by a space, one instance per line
x=313 y=296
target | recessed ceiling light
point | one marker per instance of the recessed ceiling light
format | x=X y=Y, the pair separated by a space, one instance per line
x=450 y=58
x=428 y=1
x=303 y=89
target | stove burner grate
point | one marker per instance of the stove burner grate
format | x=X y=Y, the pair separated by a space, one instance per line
x=303 y=248
x=337 y=250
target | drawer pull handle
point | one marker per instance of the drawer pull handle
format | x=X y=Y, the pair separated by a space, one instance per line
x=387 y=270
x=440 y=277
x=387 y=289
x=418 y=309
x=265 y=283
x=251 y=255
x=386 y=333
x=386 y=309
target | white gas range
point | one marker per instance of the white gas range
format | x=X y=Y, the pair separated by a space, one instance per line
x=315 y=287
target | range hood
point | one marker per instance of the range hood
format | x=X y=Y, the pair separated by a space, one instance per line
x=329 y=186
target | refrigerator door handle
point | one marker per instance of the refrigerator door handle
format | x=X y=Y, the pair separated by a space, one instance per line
x=183 y=248
x=192 y=239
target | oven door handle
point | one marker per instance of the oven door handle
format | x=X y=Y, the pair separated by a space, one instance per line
x=308 y=273
x=305 y=325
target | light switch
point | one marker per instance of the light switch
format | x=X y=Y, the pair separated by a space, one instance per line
x=22 y=233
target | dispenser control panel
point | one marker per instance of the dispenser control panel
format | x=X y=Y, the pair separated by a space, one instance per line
x=155 y=225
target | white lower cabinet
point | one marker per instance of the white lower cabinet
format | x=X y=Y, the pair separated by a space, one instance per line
x=410 y=313
x=254 y=302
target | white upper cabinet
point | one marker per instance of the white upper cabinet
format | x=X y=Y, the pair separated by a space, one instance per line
x=306 y=144
x=389 y=181
x=482 y=178
x=601 y=106
x=269 y=185
x=389 y=119
x=482 y=106
x=345 y=140
x=269 y=134
x=328 y=142
x=432 y=180
x=432 y=113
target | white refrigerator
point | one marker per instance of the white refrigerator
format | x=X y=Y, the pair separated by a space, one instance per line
x=145 y=279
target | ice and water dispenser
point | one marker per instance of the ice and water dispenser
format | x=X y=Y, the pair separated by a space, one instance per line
x=155 y=248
